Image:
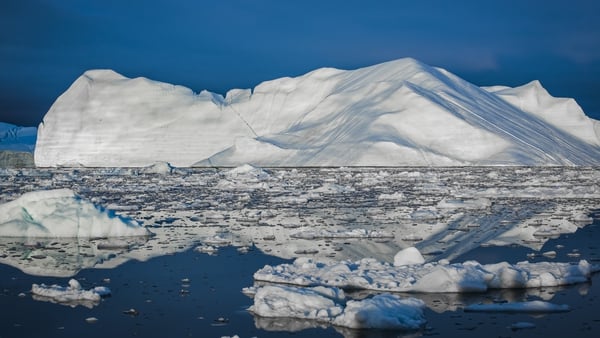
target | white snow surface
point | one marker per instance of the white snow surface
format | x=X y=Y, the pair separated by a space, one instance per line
x=471 y=276
x=401 y=112
x=329 y=305
x=73 y=294
x=61 y=213
x=15 y=138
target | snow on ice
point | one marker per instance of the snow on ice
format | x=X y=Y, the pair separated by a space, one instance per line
x=397 y=113
x=61 y=213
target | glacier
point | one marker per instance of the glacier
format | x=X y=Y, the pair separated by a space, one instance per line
x=397 y=113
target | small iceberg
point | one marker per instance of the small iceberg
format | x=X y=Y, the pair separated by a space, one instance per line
x=72 y=295
x=330 y=306
x=61 y=213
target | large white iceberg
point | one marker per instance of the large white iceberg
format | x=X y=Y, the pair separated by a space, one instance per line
x=401 y=112
x=61 y=213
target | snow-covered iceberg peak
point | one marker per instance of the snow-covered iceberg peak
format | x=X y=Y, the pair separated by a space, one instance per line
x=401 y=112
x=564 y=113
x=61 y=213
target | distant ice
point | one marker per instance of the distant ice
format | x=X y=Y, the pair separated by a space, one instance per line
x=17 y=139
x=61 y=213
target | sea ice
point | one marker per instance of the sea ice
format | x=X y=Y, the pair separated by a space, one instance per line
x=329 y=305
x=70 y=295
x=471 y=276
x=61 y=213
x=317 y=303
x=384 y=311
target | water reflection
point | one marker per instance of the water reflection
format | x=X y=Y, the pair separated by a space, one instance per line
x=330 y=214
x=65 y=257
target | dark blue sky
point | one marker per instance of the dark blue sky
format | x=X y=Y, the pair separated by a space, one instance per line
x=218 y=44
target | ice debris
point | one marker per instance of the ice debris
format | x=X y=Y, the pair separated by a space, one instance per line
x=435 y=277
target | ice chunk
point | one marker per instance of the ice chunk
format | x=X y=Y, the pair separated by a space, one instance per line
x=428 y=278
x=408 y=256
x=385 y=311
x=61 y=213
x=304 y=303
x=329 y=305
x=70 y=295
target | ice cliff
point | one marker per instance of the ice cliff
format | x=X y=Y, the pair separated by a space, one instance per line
x=401 y=112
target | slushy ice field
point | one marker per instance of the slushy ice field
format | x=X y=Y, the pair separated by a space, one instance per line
x=214 y=229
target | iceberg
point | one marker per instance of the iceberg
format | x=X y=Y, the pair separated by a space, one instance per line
x=16 y=146
x=71 y=295
x=61 y=213
x=330 y=306
x=17 y=139
x=434 y=277
x=396 y=113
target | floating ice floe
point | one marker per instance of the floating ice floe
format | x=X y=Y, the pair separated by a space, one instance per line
x=330 y=306
x=350 y=233
x=71 y=295
x=61 y=213
x=471 y=276
x=536 y=306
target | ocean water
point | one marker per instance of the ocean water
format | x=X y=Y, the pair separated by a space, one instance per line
x=251 y=217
